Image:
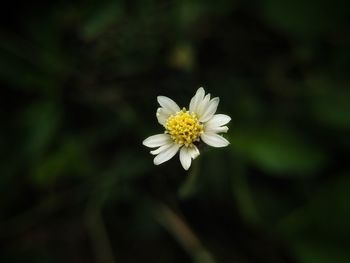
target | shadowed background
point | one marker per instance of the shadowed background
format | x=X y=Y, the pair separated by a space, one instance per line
x=78 y=95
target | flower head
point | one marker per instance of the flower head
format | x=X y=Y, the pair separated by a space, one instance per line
x=184 y=129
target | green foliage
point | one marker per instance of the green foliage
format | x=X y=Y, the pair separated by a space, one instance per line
x=306 y=18
x=79 y=83
x=279 y=150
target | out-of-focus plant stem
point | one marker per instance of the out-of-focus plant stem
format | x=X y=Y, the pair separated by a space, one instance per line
x=182 y=232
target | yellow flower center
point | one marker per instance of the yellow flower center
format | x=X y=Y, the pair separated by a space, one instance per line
x=184 y=127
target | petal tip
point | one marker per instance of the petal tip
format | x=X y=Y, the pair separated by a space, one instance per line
x=159 y=98
x=214 y=140
x=145 y=142
x=200 y=89
x=186 y=167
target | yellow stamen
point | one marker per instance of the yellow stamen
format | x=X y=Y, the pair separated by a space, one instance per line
x=184 y=127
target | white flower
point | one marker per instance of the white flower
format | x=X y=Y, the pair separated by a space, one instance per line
x=185 y=128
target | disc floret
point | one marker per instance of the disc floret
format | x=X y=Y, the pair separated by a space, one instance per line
x=184 y=127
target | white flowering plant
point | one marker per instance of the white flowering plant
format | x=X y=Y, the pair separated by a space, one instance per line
x=185 y=129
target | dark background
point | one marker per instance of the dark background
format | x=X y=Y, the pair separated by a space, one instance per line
x=78 y=95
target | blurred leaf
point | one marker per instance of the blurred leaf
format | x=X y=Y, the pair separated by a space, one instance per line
x=17 y=68
x=328 y=107
x=319 y=251
x=306 y=18
x=244 y=195
x=102 y=17
x=41 y=121
x=318 y=230
x=191 y=11
x=190 y=186
x=279 y=150
x=116 y=181
x=67 y=160
x=35 y=61
x=333 y=109
x=215 y=178
x=327 y=213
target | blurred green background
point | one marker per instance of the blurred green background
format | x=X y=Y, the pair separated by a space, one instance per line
x=78 y=95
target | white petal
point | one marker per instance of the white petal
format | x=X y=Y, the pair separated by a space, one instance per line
x=162 y=115
x=161 y=148
x=185 y=157
x=203 y=105
x=166 y=154
x=219 y=129
x=168 y=104
x=196 y=100
x=210 y=110
x=218 y=120
x=214 y=140
x=194 y=151
x=157 y=140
